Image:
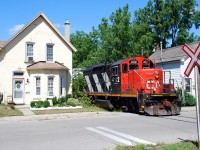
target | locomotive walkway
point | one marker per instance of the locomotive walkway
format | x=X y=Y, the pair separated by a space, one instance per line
x=30 y=116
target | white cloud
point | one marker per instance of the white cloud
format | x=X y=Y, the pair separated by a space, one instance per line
x=15 y=29
x=57 y=25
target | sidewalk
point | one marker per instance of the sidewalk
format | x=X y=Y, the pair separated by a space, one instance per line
x=30 y=116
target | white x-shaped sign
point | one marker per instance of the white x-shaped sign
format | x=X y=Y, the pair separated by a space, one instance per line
x=195 y=58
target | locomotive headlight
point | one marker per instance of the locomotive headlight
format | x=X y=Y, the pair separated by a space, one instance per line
x=156 y=72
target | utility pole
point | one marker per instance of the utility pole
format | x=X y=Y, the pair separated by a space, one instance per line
x=197 y=78
x=161 y=53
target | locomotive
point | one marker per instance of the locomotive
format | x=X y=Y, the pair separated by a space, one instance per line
x=133 y=84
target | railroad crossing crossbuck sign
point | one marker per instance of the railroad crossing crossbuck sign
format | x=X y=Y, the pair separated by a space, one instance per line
x=195 y=58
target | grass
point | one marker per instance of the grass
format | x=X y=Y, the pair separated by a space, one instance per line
x=84 y=109
x=8 y=111
x=188 y=145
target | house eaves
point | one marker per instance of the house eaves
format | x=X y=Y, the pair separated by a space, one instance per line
x=72 y=48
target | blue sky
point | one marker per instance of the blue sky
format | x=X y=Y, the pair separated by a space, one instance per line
x=82 y=14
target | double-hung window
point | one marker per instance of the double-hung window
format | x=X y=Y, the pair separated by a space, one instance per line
x=50 y=86
x=29 y=51
x=50 y=52
x=37 y=85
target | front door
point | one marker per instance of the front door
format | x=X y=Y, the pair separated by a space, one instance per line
x=18 y=91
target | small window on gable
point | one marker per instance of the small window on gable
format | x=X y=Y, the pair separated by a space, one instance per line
x=50 y=51
x=125 y=68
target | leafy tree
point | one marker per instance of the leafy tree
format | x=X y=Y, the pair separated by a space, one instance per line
x=119 y=37
x=79 y=84
x=170 y=20
x=115 y=35
x=86 y=45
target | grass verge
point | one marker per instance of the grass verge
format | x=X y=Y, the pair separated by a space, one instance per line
x=189 y=145
x=84 y=109
x=7 y=111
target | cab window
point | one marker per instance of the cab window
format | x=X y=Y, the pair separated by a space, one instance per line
x=115 y=70
x=124 y=68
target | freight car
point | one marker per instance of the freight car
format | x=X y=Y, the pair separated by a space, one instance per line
x=132 y=84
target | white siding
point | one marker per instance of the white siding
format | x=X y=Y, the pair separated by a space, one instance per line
x=177 y=70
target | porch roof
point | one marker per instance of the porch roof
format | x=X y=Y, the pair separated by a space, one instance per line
x=47 y=65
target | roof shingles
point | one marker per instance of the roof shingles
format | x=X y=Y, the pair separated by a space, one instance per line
x=171 y=54
x=47 y=65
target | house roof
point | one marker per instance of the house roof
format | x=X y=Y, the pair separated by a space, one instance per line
x=171 y=54
x=72 y=48
x=2 y=43
x=47 y=65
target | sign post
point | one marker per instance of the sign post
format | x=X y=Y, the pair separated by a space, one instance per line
x=194 y=62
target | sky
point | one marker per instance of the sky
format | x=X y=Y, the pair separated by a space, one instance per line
x=82 y=14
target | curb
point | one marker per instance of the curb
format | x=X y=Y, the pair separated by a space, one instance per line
x=57 y=116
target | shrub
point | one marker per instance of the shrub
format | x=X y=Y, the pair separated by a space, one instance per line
x=33 y=104
x=189 y=98
x=73 y=102
x=67 y=96
x=78 y=84
x=54 y=100
x=46 y=103
x=39 y=104
x=84 y=99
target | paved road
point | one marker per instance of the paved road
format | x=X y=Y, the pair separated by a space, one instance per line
x=100 y=131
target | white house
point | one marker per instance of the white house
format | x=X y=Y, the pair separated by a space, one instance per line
x=36 y=63
x=176 y=61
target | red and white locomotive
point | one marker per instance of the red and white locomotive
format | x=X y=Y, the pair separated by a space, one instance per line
x=133 y=84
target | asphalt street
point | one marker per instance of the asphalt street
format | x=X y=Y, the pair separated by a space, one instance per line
x=96 y=131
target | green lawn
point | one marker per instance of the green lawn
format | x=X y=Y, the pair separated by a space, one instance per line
x=7 y=111
x=178 y=146
x=84 y=109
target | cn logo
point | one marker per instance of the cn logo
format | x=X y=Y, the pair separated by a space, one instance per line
x=195 y=58
x=151 y=84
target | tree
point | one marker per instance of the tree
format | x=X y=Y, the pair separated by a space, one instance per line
x=86 y=44
x=170 y=20
x=115 y=35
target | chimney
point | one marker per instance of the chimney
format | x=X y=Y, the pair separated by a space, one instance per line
x=157 y=48
x=67 y=30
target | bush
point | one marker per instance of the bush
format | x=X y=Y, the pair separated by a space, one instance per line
x=33 y=104
x=39 y=104
x=189 y=98
x=73 y=102
x=46 y=103
x=84 y=99
x=54 y=101
x=78 y=84
x=67 y=96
